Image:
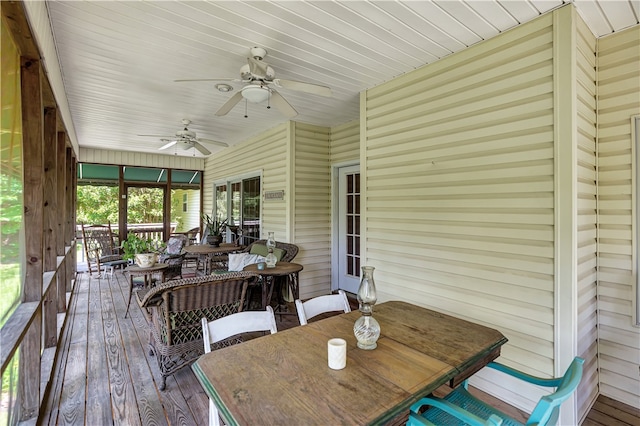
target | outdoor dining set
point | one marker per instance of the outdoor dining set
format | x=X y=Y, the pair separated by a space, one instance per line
x=220 y=320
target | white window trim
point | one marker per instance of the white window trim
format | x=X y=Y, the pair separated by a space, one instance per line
x=635 y=224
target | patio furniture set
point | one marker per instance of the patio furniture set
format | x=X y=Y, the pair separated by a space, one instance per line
x=200 y=321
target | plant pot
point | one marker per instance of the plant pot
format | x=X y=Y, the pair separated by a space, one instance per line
x=146 y=260
x=214 y=240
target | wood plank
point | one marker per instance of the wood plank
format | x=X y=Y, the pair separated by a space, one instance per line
x=173 y=399
x=98 y=398
x=72 y=399
x=14 y=330
x=123 y=400
x=146 y=393
x=597 y=416
x=50 y=407
x=612 y=410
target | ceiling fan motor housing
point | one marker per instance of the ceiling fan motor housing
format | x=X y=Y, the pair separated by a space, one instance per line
x=185 y=134
x=246 y=75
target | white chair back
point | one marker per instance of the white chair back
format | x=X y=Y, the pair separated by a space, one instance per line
x=241 y=322
x=231 y=325
x=322 y=304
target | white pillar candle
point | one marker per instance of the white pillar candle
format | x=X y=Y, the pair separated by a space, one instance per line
x=337 y=353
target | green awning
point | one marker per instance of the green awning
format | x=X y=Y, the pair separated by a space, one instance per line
x=101 y=174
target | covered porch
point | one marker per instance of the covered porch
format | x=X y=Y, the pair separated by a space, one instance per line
x=465 y=228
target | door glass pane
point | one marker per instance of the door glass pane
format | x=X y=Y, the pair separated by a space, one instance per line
x=236 y=204
x=353 y=224
x=221 y=202
x=251 y=209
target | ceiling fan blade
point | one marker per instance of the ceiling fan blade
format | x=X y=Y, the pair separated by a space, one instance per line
x=281 y=103
x=170 y=144
x=257 y=67
x=207 y=79
x=315 y=89
x=159 y=136
x=202 y=149
x=212 y=142
x=228 y=106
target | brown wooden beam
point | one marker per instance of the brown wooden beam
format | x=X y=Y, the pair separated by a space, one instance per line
x=50 y=203
x=63 y=236
x=51 y=211
x=16 y=19
x=32 y=143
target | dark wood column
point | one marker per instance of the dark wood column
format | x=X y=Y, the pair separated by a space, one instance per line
x=51 y=211
x=32 y=139
x=62 y=217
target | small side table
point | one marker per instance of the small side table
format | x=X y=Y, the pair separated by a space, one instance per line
x=136 y=271
x=282 y=269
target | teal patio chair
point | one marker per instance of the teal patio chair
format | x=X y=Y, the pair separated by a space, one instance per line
x=461 y=408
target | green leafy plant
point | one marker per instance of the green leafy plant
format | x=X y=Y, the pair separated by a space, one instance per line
x=134 y=244
x=215 y=226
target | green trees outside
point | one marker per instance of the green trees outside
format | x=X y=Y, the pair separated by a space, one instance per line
x=99 y=204
x=144 y=205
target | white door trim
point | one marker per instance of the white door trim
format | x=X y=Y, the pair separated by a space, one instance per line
x=335 y=220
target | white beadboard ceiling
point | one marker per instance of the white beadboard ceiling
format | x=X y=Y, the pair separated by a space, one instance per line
x=119 y=59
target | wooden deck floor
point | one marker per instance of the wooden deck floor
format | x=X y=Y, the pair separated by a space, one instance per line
x=105 y=375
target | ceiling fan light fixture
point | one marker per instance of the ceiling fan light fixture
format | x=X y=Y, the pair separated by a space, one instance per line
x=255 y=94
x=224 y=88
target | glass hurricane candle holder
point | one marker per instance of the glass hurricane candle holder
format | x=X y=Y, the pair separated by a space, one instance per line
x=271 y=259
x=366 y=328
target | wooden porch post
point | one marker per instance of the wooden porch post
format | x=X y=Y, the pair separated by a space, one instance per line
x=32 y=130
x=62 y=217
x=50 y=213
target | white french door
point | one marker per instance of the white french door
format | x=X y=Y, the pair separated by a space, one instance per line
x=348 y=232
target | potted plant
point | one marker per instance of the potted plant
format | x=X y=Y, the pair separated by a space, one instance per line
x=143 y=250
x=213 y=229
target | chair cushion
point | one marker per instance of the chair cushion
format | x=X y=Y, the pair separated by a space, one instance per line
x=262 y=250
x=237 y=261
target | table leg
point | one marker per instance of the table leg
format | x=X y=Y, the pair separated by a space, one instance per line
x=294 y=286
x=291 y=284
x=267 y=290
x=130 y=292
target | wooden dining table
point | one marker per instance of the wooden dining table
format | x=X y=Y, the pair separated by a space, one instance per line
x=284 y=378
x=288 y=272
x=209 y=252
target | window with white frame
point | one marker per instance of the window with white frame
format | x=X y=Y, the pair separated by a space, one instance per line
x=238 y=201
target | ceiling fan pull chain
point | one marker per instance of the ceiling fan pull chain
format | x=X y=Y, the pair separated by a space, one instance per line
x=245 y=109
x=269 y=100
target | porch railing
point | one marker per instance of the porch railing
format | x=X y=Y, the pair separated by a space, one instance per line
x=144 y=230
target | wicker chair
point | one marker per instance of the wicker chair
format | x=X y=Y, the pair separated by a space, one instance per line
x=174 y=256
x=290 y=250
x=174 y=310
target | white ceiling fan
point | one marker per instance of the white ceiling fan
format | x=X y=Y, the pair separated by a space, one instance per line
x=260 y=86
x=186 y=139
